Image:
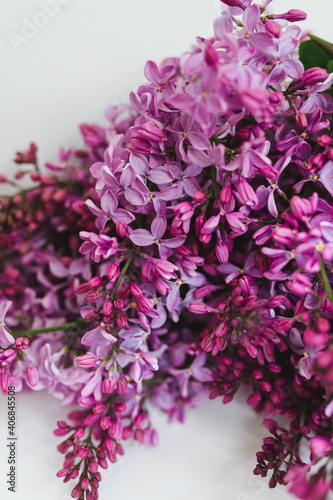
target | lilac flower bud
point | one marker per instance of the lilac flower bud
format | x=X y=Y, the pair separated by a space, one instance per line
x=122 y=229
x=107 y=308
x=95 y=282
x=233 y=3
x=93 y=466
x=245 y=193
x=324 y=140
x=32 y=375
x=244 y=284
x=21 y=343
x=135 y=290
x=112 y=271
x=79 y=433
x=166 y=269
x=222 y=252
x=90 y=315
x=273 y=29
x=330 y=154
x=221 y=329
x=266 y=386
x=99 y=408
x=244 y=132
x=270 y=424
x=313 y=76
x=119 y=303
x=203 y=291
x=254 y=398
x=120 y=449
x=105 y=422
x=161 y=286
x=201 y=308
x=302 y=207
x=127 y=433
x=301 y=120
x=205 y=238
x=144 y=304
x=62 y=473
x=91 y=297
x=62 y=424
x=83 y=288
x=226 y=194
x=108 y=385
x=83 y=452
x=121 y=385
x=90 y=420
x=199 y=197
x=147 y=270
x=120 y=407
x=122 y=321
x=317 y=161
x=76 y=492
x=87 y=360
x=139 y=420
x=207 y=343
x=292 y=16
x=199 y=223
x=109 y=446
x=276 y=301
x=85 y=483
x=7 y=357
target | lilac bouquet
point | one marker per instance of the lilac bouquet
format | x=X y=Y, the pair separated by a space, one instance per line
x=186 y=251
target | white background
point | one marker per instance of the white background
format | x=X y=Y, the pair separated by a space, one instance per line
x=88 y=55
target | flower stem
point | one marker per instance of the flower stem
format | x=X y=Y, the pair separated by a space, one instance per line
x=327 y=285
x=48 y=329
x=124 y=271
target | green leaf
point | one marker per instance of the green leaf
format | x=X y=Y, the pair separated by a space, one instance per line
x=326 y=46
x=312 y=55
x=330 y=67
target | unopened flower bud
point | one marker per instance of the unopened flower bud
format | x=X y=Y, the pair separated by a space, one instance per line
x=87 y=360
x=293 y=15
x=301 y=120
x=147 y=270
x=112 y=271
x=21 y=343
x=273 y=29
x=122 y=229
x=226 y=194
x=79 y=433
x=32 y=375
x=108 y=385
x=107 y=308
x=314 y=75
x=324 y=140
x=199 y=197
x=95 y=282
x=120 y=407
x=99 y=408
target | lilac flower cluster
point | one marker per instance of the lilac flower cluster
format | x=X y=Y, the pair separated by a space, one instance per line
x=204 y=260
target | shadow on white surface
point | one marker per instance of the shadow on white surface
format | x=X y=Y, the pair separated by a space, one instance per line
x=210 y=457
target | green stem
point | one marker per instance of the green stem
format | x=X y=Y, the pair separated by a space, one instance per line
x=124 y=271
x=48 y=329
x=327 y=285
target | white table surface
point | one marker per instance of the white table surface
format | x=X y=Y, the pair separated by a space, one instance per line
x=88 y=56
